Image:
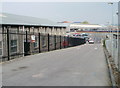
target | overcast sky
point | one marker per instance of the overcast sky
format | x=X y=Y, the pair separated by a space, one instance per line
x=93 y=12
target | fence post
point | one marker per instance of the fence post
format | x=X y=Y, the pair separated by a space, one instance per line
x=48 y=42
x=60 y=41
x=68 y=40
x=55 y=41
x=39 y=43
x=26 y=43
x=23 y=39
x=8 y=44
x=64 y=42
x=26 y=36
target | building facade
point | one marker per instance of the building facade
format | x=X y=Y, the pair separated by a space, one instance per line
x=19 y=39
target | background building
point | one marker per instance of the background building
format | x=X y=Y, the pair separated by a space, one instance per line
x=83 y=27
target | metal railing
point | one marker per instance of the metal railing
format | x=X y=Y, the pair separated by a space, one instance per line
x=19 y=44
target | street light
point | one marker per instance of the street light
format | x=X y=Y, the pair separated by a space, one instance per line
x=111 y=3
x=119 y=42
x=117 y=12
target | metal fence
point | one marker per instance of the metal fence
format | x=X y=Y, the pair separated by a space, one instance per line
x=16 y=44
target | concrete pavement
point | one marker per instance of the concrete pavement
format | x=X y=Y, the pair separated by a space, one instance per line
x=83 y=65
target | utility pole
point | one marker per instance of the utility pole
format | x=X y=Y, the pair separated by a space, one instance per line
x=119 y=43
x=112 y=22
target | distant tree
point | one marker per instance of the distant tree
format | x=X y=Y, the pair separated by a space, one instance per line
x=85 y=22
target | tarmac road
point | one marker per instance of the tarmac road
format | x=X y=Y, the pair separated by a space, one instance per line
x=83 y=65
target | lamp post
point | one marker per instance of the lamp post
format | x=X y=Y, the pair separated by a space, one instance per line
x=110 y=3
x=118 y=40
x=118 y=13
x=118 y=37
x=112 y=22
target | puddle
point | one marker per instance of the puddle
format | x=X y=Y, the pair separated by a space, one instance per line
x=20 y=68
x=23 y=67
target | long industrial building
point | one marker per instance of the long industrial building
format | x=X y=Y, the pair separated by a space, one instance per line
x=22 y=34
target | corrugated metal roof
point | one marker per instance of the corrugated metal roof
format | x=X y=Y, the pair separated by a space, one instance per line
x=25 y=20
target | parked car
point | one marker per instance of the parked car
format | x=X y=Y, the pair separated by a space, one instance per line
x=85 y=36
x=76 y=35
x=91 y=41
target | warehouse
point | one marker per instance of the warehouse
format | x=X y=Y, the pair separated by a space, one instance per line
x=84 y=27
x=22 y=35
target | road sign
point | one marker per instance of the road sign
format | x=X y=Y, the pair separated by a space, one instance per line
x=32 y=38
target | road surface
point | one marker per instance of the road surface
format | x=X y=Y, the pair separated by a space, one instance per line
x=83 y=65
